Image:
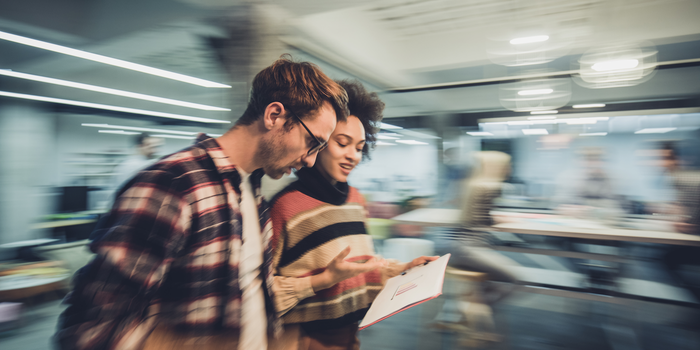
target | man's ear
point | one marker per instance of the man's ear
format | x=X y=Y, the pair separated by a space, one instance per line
x=274 y=115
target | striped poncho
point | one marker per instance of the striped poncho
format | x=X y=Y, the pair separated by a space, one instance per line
x=312 y=222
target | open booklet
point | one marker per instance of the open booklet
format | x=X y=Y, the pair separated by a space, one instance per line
x=406 y=290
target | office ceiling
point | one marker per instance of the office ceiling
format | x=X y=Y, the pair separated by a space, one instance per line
x=410 y=50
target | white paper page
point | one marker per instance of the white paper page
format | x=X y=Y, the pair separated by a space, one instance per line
x=415 y=285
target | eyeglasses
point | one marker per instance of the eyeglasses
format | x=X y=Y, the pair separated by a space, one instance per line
x=317 y=145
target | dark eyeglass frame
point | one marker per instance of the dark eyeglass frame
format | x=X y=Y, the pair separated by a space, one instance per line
x=319 y=146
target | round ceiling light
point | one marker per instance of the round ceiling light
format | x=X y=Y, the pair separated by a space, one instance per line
x=540 y=94
x=616 y=66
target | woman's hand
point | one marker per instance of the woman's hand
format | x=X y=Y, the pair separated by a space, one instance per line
x=339 y=270
x=420 y=261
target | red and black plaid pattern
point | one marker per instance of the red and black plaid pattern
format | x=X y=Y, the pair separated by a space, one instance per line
x=169 y=254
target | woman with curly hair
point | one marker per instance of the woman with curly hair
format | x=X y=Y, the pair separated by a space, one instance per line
x=326 y=273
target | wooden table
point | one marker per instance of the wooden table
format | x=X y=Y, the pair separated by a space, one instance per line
x=23 y=281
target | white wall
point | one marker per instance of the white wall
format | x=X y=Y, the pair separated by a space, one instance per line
x=27 y=164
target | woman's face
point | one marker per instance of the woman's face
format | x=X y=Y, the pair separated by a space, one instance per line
x=344 y=150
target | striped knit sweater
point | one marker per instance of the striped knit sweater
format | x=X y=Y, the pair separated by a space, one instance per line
x=312 y=222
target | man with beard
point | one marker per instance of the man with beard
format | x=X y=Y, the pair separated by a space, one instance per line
x=183 y=262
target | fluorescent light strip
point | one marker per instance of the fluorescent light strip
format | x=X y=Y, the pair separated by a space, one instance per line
x=535 y=132
x=109 y=60
x=520 y=122
x=135 y=128
x=388 y=126
x=529 y=39
x=654 y=131
x=545 y=112
x=111 y=108
x=535 y=92
x=581 y=121
x=382 y=143
x=120 y=132
x=142 y=129
x=590 y=105
x=593 y=134
x=411 y=142
x=386 y=137
x=175 y=137
x=479 y=133
x=105 y=90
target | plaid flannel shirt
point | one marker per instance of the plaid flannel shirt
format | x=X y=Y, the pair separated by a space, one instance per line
x=168 y=255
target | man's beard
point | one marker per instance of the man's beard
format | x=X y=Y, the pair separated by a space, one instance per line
x=270 y=153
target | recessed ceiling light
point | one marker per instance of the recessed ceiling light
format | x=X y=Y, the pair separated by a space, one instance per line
x=590 y=105
x=654 y=131
x=109 y=60
x=479 y=133
x=389 y=126
x=111 y=108
x=535 y=132
x=581 y=121
x=535 y=92
x=615 y=65
x=593 y=134
x=174 y=137
x=120 y=132
x=105 y=90
x=529 y=39
x=411 y=142
x=554 y=111
x=520 y=122
x=135 y=128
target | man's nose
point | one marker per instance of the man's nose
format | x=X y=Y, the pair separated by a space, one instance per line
x=309 y=160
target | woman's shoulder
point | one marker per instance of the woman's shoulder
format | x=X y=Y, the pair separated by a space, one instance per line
x=285 y=195
x=354 y=196
x=292 y=201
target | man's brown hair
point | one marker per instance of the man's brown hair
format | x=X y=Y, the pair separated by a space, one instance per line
x=300 y=86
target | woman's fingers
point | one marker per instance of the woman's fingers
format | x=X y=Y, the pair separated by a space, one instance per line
x=422 y=260
x=340 y=257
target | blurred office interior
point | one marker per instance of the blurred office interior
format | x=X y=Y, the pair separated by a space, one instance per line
x=566 y=88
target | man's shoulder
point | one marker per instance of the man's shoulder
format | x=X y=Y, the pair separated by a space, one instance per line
x=183 y=161
x=178 y=166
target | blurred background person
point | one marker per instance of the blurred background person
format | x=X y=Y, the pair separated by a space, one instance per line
x=470 y=244
x=588 y=192
x=144 y=154
x=685 y=213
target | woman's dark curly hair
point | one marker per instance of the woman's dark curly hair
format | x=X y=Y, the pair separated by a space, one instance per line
x=367 y=107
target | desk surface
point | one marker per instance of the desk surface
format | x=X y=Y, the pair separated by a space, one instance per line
x=430 y=217
x=550 y=225
x=598 y=233
x=28 y=243
x=60 y=223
